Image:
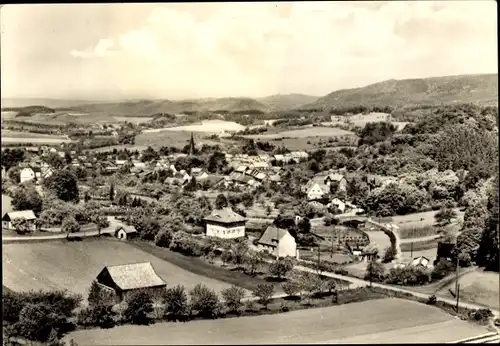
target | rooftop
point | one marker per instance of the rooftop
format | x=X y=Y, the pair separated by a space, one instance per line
x=27 y=214
x=135 y=276
x=226 y=215
x=272 y=235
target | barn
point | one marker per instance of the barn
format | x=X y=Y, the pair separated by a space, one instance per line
x=126 y=279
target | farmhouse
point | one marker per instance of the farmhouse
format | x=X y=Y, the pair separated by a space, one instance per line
x=125 y=232
x=23 y=214
x=126 y=279
x=225 y=223
x=278 y=241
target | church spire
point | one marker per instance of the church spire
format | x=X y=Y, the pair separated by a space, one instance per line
x=191 y=145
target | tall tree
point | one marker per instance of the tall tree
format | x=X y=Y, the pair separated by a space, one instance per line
x=27 y=198
x=192 y=148
x=64 y=185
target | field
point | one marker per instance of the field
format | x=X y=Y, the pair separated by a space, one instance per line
x=6 y=204
x=375 y=321
x=417 y=220
x=317 y=131
x=477 y=287
x=133 y=120
x=73 y=266
x=15 y=134
x=207 y=126
x=177 y=139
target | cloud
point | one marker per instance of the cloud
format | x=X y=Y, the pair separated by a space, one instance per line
x=100 y=50
x=231 y=49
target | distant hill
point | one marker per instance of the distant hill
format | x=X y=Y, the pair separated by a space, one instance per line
x=10 y=102
x=432 y=91
x=288 y=101
x=151 y=107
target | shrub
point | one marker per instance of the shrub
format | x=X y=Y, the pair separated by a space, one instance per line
x=250 y=306
x=281 y=267
x=176 y=301
x=389 y=254
x=99 y=315
x=264 y=292
x=431 y=300
x=284 y=307
x=99 y=296
x=232 y=297
x=410 y=275
x=139 y=306
x=204 y=301
x=163 y=239
x=291 y=287
x=481 y=315
x=441 y=269
x=375 y=272
x=185 y=244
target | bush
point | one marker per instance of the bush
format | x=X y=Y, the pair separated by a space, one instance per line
x=375 y=272
x=481 y=315
x=250 y=306
x=232 y=297
x=264 y=292
x=410 y=275
x=176 y=301
x=139 y=306
x=98 y=315
x=185 y=244
x=281 y=267
x=204 y=301
x=163 y=239
x=389 y=254
x=431 y=300
x=291 y=288
x=284 y=307
x=99 y=296
x=442 y=269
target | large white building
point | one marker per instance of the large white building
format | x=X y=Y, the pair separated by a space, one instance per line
x=225 y=223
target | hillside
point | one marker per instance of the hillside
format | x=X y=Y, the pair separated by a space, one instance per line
x=286 y=102
x=151 y=107
x=433 y=91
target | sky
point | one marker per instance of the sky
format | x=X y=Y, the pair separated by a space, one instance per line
x=177 y=51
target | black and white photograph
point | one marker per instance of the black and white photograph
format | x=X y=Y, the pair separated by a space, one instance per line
x=238 y=173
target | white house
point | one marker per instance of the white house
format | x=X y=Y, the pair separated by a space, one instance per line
x=316 y=189
x=22 y=214
x=29 y=173
x=124 y=232
x=225 y=223
x=278 y=241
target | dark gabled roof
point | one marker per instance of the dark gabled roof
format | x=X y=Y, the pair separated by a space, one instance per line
x=135 y=276
x=126 y=228
x=226 y=215
x=272 y=235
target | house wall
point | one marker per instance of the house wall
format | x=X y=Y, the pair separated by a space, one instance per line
x=27 y=174
x=229 y=231
x=315 y=192
x=342 y=186
x=122 y=235
x=287 y=246
x=8 y=225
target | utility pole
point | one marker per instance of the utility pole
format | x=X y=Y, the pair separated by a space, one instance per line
x=319 y=253
x=458 y=296
x=278 y=243
x=411 y=253
x=333 y=236
x=456 y=277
